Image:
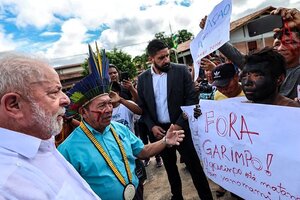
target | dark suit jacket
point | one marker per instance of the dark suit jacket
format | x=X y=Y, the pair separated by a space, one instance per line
x=180 y=91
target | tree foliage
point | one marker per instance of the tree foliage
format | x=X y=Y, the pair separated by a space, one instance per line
x=140 y=61
x=120 y=59
x=184 y=35
x=123 y=61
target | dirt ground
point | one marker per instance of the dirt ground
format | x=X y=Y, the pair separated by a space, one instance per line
x=157 y=187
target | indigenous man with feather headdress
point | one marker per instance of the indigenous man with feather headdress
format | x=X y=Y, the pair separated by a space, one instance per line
x=103 y=151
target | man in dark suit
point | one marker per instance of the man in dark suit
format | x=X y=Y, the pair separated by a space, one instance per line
x=162 y=89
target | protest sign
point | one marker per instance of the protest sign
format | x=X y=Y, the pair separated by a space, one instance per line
x=214 y=34
x=249 y=149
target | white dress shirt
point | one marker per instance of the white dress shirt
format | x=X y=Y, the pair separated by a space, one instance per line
x=160 y=94
x=31 y=168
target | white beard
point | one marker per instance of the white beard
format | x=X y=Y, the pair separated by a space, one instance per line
x=50 y=124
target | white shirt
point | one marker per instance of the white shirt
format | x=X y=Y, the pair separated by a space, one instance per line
x=32 y=168
x=124 y=116
x=160 y=94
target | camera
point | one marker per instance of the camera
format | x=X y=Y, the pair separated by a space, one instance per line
x=204 y=87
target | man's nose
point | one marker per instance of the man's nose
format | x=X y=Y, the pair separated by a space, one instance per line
x=64 y=100
x=167 y=59
x=247 y=80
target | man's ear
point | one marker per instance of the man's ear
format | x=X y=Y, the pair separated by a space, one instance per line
x=280 y=79
x=150 y=59
x=10 y=104
x=82 y=111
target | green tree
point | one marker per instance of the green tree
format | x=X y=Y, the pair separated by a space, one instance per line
x=140 y=62
x=123 y=61
x=184 y=35
x=119 y=58
x=181 y=36
x=166 y=39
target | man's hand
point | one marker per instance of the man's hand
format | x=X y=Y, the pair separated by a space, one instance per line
x=206 y=64
x=291 y=16
x=127 y=84
x=158 y=132
x=197 y=111
x=185 y=116
x=174 y=137
x=203 y=21
x=114 y=97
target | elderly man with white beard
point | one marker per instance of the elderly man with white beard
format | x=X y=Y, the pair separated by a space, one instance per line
x=32 y=108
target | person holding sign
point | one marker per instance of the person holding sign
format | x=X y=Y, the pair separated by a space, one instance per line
x=262 y=75
x=286 y=42
x=103 y=151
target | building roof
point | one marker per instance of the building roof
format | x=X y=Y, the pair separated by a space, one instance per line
x=184 y=46
x=244 y=20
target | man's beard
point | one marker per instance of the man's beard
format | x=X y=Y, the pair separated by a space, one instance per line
x=164 y=68
x=51 y=125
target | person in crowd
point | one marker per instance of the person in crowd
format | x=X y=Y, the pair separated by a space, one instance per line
x=226 y=79
x=101 y=150
x=124 y=110
x=32 y=110
x=160 y=97
x=204 y=87
x=262 y=76
x=128 y=91
x=286 y=42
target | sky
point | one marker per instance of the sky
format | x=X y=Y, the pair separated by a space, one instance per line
x=60 y=30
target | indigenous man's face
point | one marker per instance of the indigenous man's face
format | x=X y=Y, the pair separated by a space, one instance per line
x=99 y=112
x=257 y=82
x=289 y=48
x=161 y=60
x=113 y=74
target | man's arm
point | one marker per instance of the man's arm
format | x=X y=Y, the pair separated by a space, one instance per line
x=132 y=106
x=142 y=103
x=233 y=54
x=173 y=137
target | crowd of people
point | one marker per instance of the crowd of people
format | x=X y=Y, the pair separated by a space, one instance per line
x=101 y=157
